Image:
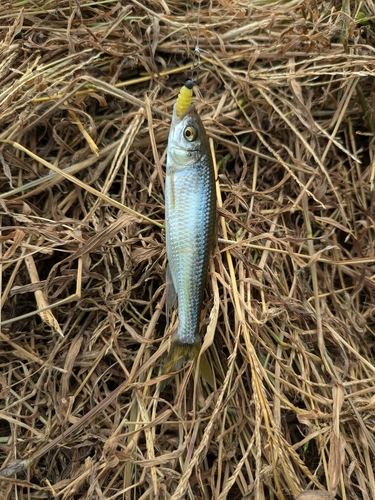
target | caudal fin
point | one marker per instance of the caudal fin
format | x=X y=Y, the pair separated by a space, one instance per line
x=180 y=354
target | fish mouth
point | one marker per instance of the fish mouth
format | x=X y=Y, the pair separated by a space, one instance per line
x=190 y=111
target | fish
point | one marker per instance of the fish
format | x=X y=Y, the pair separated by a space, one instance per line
x=190 y=217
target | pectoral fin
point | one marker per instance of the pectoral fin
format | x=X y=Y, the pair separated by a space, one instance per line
x=171 y=294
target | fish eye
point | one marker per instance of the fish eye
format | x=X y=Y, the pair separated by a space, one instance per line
x=190 y=134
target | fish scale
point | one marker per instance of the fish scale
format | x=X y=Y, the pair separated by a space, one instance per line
x=189 y=242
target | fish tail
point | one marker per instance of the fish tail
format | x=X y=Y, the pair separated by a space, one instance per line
x=180 y=354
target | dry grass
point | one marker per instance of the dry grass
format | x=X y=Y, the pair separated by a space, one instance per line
x=286 y=93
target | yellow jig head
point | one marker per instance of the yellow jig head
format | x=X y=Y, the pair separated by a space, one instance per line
x=184 y=97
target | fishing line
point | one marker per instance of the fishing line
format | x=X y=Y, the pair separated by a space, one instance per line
x=197 y=50
x=197 y=54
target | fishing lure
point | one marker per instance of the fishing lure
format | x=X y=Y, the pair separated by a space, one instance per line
x=184 y=97
x=190 y=214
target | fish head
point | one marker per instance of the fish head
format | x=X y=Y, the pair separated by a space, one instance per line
x=187 y=141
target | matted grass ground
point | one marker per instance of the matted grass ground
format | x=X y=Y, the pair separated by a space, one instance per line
x=286 y=93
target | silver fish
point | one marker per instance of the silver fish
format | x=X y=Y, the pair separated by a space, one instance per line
x=190 y=213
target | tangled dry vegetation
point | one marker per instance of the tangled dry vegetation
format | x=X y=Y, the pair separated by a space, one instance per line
x=286 y=94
